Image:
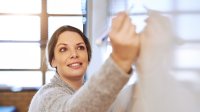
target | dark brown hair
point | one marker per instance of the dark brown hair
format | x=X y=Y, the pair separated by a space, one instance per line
x=54 y=38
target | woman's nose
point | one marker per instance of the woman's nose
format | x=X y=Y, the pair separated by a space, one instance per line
x=74 y=53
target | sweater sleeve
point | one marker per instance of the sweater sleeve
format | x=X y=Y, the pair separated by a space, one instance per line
x=100 y=91
x=96 y=95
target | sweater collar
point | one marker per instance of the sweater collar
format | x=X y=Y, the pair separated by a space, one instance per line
x=57 y=80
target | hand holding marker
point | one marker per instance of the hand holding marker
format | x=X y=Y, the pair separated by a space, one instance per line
x=103 y=38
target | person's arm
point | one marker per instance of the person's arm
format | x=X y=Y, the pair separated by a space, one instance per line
x=124 y=41
x=96 y=95
x=100 y=91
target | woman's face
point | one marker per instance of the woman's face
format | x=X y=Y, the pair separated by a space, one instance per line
x=70 y=56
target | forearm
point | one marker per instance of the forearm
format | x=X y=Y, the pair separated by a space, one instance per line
x=100 y=91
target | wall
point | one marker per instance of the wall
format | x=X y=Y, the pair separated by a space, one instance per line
x=97 y=24
x=20 y=100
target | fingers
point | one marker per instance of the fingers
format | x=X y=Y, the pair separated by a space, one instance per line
x=124 y=40
x=128 y=28
x=118 y=21
x=131 y=31
x=122 y=24
x=126 y=25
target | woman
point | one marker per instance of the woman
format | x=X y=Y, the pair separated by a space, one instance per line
x=69 y=52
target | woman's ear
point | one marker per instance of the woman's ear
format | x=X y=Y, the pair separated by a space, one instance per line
x=53 y=63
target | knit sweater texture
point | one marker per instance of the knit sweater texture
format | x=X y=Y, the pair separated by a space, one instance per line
x=96 y=95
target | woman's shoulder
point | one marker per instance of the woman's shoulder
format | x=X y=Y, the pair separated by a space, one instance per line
x=50 y=89
x=50 y=92
x=47 y=96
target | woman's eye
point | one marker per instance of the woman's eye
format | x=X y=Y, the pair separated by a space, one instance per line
x=63 y=49
x=81 y=48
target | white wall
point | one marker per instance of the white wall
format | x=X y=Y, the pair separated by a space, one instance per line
x=97 y=16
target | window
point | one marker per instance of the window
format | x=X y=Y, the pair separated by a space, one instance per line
x=26 y=26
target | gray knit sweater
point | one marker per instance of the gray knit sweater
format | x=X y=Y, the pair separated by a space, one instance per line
x=96 y=95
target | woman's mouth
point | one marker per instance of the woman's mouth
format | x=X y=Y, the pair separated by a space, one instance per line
x=75 y=65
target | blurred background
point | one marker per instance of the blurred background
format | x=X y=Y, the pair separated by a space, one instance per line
x=26 y=26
